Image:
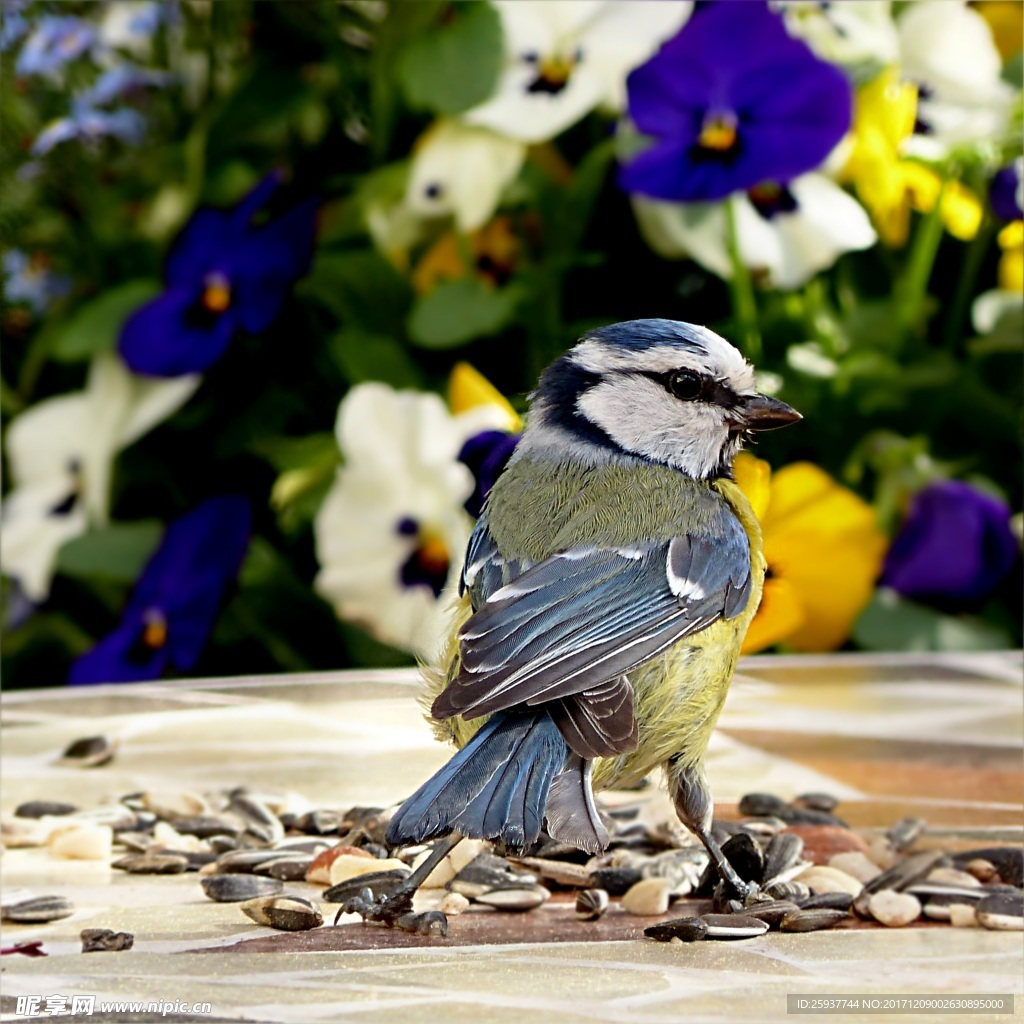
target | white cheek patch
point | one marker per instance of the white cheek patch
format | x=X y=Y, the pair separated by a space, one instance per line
x=639 y=415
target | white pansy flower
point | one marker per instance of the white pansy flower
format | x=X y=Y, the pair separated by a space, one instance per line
x=60 y=453
x=564 y=59
x=130 y=24
x=785 y=235
x=844 y=33
x=947 y=49
x=392 y=531
x=461 y=170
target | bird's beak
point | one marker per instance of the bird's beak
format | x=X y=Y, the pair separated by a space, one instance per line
x=760 y=412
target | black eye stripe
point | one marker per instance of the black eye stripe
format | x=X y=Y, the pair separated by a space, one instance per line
x=712 y=390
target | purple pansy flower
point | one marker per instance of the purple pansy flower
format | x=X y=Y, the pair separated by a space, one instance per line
x=1006 y=191
x=176 y=600
x=732 y=101
x=223 y=274
x=955 y=546
x=486 y=454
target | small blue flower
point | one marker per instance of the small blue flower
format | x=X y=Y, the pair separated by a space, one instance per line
x=223 y=274
x=29 y=280
x=485 y=455
x=176 y=601
x=121 y=81
x=1007 y=191
x=88 y=125
x=13 y=24
x=732 y=101
x=955 y=546
x=56 y=41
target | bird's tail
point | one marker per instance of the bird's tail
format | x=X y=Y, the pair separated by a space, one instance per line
x=495 y=787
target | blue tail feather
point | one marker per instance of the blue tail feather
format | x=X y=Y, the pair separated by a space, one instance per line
x=496 y=787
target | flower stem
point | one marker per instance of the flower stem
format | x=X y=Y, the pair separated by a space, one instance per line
x=973 y=260
x=744 y=303
x=912 y=291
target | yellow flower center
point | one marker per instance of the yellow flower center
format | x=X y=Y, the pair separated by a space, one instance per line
x=155 y=633
x=432 y=554
x=216 y=293
x=718 y=133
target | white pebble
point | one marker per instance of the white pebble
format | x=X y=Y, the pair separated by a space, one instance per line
x=171 y=839
x=349 y=866
x=175 y=803
x=19 y=832
x=821 y=879
x=894 y=909
x=453 y=904
x=950 y=876
x=466 y=852
x=82 y=842
x=647 y=898
x=882 y=852
x=856 y=865
x=962 y=915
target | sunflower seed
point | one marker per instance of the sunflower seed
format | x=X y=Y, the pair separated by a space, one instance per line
x=514 y=899
x=817 y=802
x=812 y=920
x=137 y=842
x=615 y=881
x=904 y=874
x=1008 y=861
x=89 y=752
x=558 y=871
x=1001 y=912
x=904 y=833
x=203 y=826
x=453 y=904
x=43 y=809
x=287 y=913
x=39 y=910
x=320 y=822
x=787 y=890
x=783 y=852
x=152 y=864
x=772 y=912
x=259 y=820
x=433 y=922
x=103 y=940
x=591 y=904
x=940 y=908
x=243 y=862
x=758 y=805
x=962 y=893
x=733 y=926
x=686 y=929
x=743 y=854
x=485 y=872
x=826 y=901
x=287 y=869
x=380 y=883
x=236 y=888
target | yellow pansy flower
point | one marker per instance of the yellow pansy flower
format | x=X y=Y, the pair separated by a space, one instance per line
x=824 y=552
x=1011 y=266
x=1006 y=20
x=490 y=252
x=889 y=185
x=469 y=389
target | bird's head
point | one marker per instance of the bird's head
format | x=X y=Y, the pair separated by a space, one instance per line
x=668 y=392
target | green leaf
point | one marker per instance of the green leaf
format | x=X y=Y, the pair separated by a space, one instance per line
x=360 y=288
x=892 y=623
x=364 y=356
x=97 y=324
x=116 y=552
x=456 y=312
x=285 y=453
x=454 y=66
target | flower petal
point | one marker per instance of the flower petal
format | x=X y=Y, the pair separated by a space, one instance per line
x=780 y=614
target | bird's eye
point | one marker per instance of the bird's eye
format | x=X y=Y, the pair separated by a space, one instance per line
x=685 y=385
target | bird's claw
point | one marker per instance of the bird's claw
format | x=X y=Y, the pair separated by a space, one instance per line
x=396 y=912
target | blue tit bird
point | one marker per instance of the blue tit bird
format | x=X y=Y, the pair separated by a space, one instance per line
x=606 y=591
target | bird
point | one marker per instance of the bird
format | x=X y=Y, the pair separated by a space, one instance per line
x=606 y=591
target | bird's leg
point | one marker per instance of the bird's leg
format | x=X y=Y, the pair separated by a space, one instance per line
x=395 y=909
x=692 y=799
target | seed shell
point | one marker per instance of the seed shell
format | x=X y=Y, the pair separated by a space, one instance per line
x=686 y=929
x=812 y=920
x=103 y=940
x=591 y=904
x=236 y=888
x=733 y=926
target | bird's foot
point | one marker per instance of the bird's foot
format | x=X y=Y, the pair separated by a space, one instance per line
x=395 y=911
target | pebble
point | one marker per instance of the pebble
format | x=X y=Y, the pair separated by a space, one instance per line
x=455 y=860
x=940 y=908
x=1001 y=912
x=152 y=864
x=823 y=842
x=103 y=940
x=26 y=832
x=591 y=904
x=733 y=926
x=236 y=888
x=981 y=869
x=647 y=898
x=39 y=910
x=882 y=852
x=558 y=871
x=963 y=915
x=319 y=871
x=1008 y=861
x=89 y=752
x=170 y=838
x=82 y=842
x=43 y=809
x=515 y=899
x=894 y=909
x=812 y=920
x=951 y=876
x=348 y=866
x=681 y=929
x=453 y=904
x=285 y=912
x=856 y=865
x=820 y=879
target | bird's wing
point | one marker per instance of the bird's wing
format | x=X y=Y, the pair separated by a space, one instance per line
x=571 y=625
